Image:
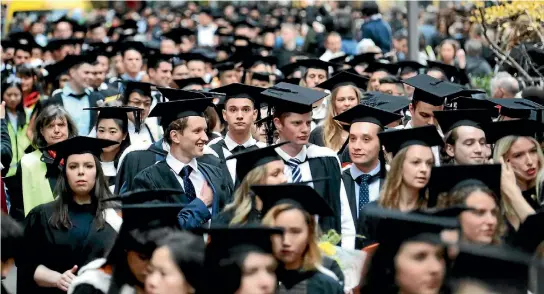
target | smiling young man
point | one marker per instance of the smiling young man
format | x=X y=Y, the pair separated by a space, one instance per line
x=240 y=113
x=465 y=141
x=205 y=187
x=364 y=177
x=305 y=162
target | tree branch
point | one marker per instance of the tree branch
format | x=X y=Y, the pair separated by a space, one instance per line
x=495 y=48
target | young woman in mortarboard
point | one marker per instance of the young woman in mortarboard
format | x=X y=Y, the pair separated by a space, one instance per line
x=37 y=172
x=405 y=186
x=261 y=166
x=410 y=260
x=75 y=228
x=345 y=94
x=112 y=124
x=292 y=207
x=147 y=218
x=516 y=146
x=17 y=121
x=477 y=187
x=176 y=265
x=239 y=260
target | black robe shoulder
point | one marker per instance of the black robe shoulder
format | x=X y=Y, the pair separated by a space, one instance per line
x=311 y=282
x=316 y=136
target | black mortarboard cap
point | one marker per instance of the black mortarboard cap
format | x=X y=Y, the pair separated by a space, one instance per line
x=251 y=60
x=344 y=78
x=131 y=45
x=250 y=159
x=451 y=119
x=56 y=44
x=391 y=68
x=386 y=102
x=293 y=81
x=292 y=98
x=237 y=90
x=453 y=73
x=396 y=227
x=394 y=140
x=433 y=91
x=299 y=194
x=225 y=66
x=407 y=66
x=502 y=268
x=118 y=112
x=141 y=88
x=289 y=69
x=195 y=57
x=72 y=60
x=243 y=24
x=261 y=76
x=155 y=59
x=494 y=131
x=228 y=241
x=473 y=103
x=178 y=94
x=316 y=63
x=7 y=43
x=516 y=107
x=451 y=211
x=172 y=110
x=176 y=34
x=447 y=178
x=363 y=58
x=146 y=209
x=363 y=113
x=189 y=82
x=80 y=145
x=95 y=25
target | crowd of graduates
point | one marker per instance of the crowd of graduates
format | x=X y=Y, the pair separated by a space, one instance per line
x=207 y=150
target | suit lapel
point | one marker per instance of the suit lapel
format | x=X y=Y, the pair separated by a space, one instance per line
x=349 y=184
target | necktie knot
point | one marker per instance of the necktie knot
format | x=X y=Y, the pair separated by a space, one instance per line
x=294 y=162
x=238 y=149
x=186 y=171
x=364 y=178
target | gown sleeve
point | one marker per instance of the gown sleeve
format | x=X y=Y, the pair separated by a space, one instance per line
x=15 y=191
x=30 y=255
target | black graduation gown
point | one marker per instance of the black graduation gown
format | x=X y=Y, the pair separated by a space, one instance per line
x=60 y=249
x=311 y=282
x=15 y=186
x=218 y=148
x=316 y=136
x=530 y=196
x=367 y=226
x=160 y=176
x=137 y=160
x=225 y=217
x=349 y=185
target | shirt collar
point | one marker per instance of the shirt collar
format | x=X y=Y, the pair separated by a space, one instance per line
x=231 y=144
x=132 y=128
x=300 y=156
x=355 y=172
x=67 y=90
x=177 y=165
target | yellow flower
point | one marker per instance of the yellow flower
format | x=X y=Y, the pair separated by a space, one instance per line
x=327 y=248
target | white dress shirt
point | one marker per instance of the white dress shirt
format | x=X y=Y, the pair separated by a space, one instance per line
x=304 y=166
x=109 y=171
x=231 y=164
x=142 y=137
x=373 y=188
x=196 y=177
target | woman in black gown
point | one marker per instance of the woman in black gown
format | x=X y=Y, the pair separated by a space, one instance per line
x=65 y=234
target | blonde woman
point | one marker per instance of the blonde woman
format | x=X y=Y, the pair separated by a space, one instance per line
x=522 y=155
x=410 y=170
x=253 y=167
x=345 y=94
x=292 y=207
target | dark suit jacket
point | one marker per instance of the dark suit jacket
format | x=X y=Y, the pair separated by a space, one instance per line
x=195 y=213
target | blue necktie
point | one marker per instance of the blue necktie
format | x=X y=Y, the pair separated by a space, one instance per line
x=295 y=173
x=364 y=194
x=187 y=184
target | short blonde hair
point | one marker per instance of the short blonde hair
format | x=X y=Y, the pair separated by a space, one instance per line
x=312 y=255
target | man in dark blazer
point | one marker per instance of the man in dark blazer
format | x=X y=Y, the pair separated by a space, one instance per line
x=205 y=186
x=365 y=176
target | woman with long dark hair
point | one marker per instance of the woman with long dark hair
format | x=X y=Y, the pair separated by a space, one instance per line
x=29 y=85
x=17 y=122
x=147 y=218
x=112 y=124
x=75 y=228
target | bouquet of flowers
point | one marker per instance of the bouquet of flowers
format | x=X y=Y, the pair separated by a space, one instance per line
x=350 y=261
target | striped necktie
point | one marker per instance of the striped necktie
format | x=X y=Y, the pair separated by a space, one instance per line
x=295 y=173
